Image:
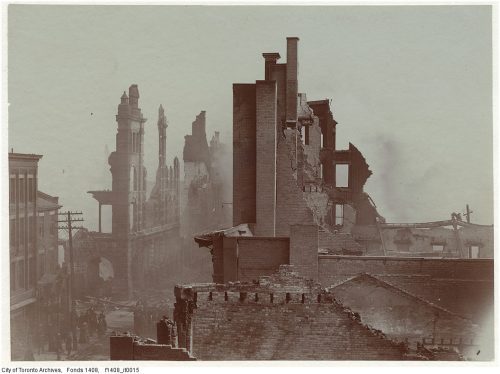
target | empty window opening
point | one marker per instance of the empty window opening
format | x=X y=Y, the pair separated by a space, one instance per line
x=342 y=175
x=106 y=218
x=13 y=237
x=306 y=133
x=322 y=142
x=132 y=212
x=243 y=296
x=20 y=274
x=321 y=171
x=12 y=196
x=339 y=214
x=22 y=231
x=438 y=247
x=13 y=276
x=22 y=190
x=31 y=191
x=403 y=247
x=474 y=251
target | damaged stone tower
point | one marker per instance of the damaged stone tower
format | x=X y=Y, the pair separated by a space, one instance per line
x=144 y=230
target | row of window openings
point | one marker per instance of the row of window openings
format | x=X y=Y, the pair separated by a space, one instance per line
x=30 y=230
x=341 y=170
x=305 y=137
x=473 y=251
x=18 y=270
x=341 y=175
x=17 y=189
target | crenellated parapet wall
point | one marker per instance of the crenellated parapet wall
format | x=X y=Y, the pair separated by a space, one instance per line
x=238 y=321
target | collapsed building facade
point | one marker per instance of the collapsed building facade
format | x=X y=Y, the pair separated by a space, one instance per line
x=144 y=230
x=299 y=201
x=205 y=187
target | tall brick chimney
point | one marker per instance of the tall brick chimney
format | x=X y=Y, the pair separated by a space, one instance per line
x=291 y=80
x=270 y=60
x=266 y=148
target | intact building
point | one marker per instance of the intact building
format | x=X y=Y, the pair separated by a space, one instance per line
x=33 y=252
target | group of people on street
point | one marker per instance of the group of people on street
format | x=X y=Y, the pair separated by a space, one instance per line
x=61 y=334
x=90 y=323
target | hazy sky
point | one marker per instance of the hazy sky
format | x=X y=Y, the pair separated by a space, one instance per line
x=410 y=87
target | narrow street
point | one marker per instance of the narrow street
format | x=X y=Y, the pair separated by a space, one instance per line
x=97 y=349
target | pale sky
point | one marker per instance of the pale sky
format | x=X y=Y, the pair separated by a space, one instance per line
x=411 y=87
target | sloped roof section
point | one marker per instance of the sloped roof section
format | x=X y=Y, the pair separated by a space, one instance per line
x=45 y=202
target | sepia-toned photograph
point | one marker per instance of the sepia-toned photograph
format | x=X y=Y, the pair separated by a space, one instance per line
x=248 y=183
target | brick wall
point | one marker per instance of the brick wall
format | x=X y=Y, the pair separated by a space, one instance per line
x=253 y=331
x=244 y=154
x=291 y=206
x=304 y=250
x=230 y=259
x=334 y=268
x=260 y=256
x=266 y=107
x=278 y=74
x=282 y=317
x=291 y=78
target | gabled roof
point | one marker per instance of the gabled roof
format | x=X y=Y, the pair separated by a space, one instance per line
x=393 y=287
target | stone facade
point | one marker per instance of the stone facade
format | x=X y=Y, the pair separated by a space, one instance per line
x=145 y=231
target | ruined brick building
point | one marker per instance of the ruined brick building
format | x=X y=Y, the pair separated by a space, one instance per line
x=299 y=201
x=205 y=187
x=144 y=230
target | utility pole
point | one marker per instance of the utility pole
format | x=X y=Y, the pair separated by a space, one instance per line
x=69 y=226
x=467 y=214
x=68 y=220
